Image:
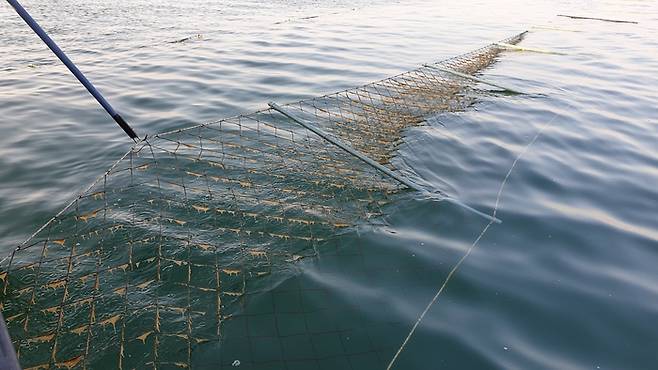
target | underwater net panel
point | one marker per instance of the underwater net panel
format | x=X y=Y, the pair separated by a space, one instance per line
x=150 y=264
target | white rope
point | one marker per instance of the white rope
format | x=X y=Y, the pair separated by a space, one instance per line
x=471 y=248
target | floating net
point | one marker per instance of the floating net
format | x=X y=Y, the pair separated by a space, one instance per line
x=157 y=263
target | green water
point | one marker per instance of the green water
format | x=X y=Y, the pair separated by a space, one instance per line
x=567 y=281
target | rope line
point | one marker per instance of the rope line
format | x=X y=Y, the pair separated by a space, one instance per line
x=471 y=247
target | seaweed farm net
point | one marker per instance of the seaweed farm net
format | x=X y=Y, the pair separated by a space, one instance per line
x=154 y=264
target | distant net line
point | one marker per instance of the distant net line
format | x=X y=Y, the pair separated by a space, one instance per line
x=153 y=264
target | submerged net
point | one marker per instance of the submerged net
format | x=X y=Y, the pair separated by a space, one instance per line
x=157 y=263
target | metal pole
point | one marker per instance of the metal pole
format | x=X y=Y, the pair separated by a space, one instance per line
x=72 y=67
x=533 y=50
x=346 y=147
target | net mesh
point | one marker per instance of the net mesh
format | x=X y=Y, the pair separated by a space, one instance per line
x=158 y=264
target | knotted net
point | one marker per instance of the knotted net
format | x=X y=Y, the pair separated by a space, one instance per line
x=157 y=263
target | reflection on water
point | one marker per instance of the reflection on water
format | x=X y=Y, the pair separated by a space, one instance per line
x=566 y=281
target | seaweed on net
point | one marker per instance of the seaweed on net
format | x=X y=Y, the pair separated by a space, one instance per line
x=158 y=255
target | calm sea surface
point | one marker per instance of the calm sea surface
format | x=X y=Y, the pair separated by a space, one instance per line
x=569 y=280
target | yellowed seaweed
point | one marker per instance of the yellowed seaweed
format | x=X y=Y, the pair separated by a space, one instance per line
x=80 y=329
x=145 y=336
x=111 y=321
x=41 y=339
x=69 y=364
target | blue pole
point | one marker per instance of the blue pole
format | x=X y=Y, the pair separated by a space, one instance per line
x=72 y=67
x=7 y=354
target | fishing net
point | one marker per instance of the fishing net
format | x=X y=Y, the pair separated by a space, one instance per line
x=161 y=263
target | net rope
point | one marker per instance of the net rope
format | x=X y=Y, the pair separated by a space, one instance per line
x=154 y=265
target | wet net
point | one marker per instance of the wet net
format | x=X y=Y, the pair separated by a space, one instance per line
x=158 y=264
